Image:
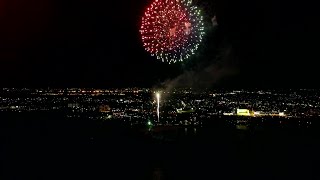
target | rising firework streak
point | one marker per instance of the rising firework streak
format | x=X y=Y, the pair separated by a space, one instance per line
x=158 y=105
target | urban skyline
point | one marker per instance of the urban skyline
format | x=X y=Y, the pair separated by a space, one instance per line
x=141 y=102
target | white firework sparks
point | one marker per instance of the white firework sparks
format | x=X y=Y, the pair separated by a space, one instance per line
x=158 y=105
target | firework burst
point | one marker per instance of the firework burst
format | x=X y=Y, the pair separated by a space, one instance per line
x=172 y=30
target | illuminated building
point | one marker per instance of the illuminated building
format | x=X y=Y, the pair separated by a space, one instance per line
x=243 y=112
x=104 y=108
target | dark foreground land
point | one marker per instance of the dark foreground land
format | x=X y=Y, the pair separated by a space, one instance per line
x=49 y=146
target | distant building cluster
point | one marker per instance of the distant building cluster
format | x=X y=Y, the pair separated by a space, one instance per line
x=176 y=107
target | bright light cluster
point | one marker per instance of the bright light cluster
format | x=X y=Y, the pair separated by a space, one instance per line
x=172 y=30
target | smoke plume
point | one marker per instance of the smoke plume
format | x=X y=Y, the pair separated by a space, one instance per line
x=207 y=74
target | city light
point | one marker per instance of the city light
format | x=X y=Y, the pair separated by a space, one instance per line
x=181 y=107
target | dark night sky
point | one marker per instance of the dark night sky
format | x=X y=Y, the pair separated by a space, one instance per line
x=81 y=43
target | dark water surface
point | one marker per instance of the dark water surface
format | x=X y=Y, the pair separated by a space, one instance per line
x=49 y=146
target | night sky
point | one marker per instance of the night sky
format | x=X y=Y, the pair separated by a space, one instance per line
x=81 y=43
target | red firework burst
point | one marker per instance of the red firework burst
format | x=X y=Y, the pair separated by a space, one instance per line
x=171 y=29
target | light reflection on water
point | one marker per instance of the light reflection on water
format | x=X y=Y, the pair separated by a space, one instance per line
x=242 y=127
x=157 y=174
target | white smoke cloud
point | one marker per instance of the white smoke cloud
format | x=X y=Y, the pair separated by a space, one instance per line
x=206 y=75
x=214 y=21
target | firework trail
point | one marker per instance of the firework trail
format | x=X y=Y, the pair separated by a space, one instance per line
x=158 y=106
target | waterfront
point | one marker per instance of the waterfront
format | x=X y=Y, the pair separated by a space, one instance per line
x=47 y=146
